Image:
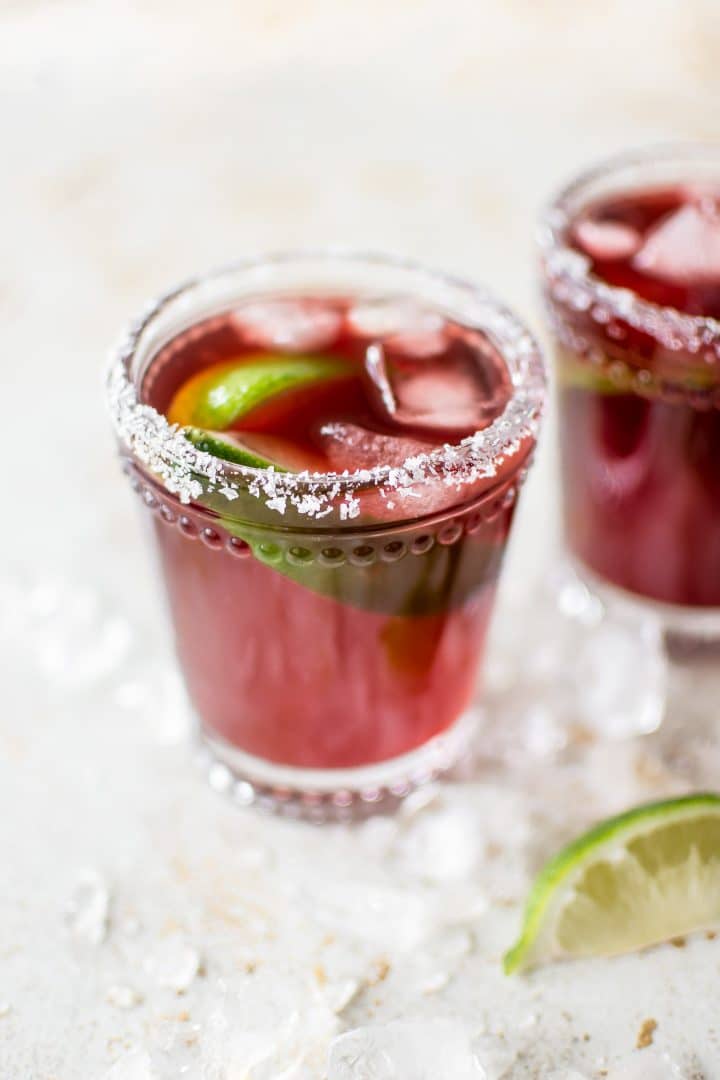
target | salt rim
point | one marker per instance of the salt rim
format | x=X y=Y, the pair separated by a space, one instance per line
x=572 y=283
x=189 y=473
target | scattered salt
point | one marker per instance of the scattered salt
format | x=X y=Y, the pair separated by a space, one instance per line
x=123 y=997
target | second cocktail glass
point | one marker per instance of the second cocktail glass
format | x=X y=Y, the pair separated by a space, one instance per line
x=631 y=277
x=331 y=448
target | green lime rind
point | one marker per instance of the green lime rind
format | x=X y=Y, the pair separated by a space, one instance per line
x=587 y=849
x=231 y=392
x=573 y=374
x=211 y=443
x=442 y=579
x=576 y=375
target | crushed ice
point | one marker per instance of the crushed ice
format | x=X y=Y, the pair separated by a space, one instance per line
x=647 y=1064
x=428 y=1049
x=87 y=913
x=73 y=636
x=174 y=963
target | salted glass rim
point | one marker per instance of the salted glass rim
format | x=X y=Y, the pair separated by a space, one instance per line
x=188 y=472
x=569 y=271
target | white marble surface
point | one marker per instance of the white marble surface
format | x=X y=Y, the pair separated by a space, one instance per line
x=142 y=142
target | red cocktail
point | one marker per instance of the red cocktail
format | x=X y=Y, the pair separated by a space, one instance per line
x=631 y=261
x=332 y=450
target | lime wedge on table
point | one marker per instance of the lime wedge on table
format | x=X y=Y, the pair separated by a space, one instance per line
x=220 y=395
x=635 y=880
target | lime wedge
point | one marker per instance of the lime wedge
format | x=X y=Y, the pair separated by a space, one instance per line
x=582 y=375
x=635 y=880
x=255 y=449
x=223 y=393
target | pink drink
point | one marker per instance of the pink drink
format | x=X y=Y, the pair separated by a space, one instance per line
x=330 y=602
x=638 y=369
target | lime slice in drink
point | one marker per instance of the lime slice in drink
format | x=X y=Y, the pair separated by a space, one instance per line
x=255 y=449
x=222 y=394
x=636 y=880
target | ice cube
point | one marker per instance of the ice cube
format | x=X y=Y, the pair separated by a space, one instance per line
x=349 y=446
x=409 y=328
x=77 y=639
x=620 y=676
x=441 y=845
x=290 y=325
x=607 y=239
x=377 y=373
x=382 y=319
x=440 y=398
x=261 y=1030
x=456 y=394
x=405 y=1050
x=614 y=689
x=494 y=1057
x=684 y=247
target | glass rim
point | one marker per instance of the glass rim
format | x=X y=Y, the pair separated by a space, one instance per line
x=188 y=472
x=569 y=272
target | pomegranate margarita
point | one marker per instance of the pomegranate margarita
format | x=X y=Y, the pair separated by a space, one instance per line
x=331 y=448
x=631 y=263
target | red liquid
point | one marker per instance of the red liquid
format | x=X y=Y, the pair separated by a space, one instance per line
x=354 y=646
x=641 y=452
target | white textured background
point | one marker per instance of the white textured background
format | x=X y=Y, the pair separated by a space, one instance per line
x=142 y=142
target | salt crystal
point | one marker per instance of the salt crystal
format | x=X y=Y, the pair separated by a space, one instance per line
x=438 y=980
x=340 y=993
x=123 y=997
x=88 y=910
x=174 y=964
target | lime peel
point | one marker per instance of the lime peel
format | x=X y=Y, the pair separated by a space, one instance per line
x=218 y=396
x=562 y=916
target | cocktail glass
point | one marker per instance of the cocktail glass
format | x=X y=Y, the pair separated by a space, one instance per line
x=329 y=626
x=631 y=279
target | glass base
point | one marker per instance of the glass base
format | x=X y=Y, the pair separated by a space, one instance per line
x=689 y=633
x=332 y=794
